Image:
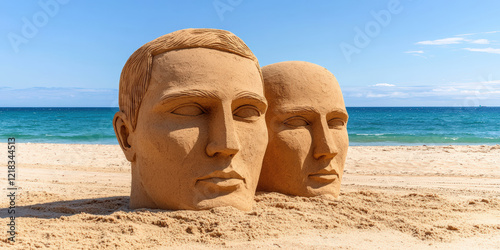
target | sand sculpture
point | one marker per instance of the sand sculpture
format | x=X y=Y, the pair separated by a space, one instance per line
x=191 y=121
x=308 y=139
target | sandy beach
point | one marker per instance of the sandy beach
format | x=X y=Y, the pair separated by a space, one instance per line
x=418 y=197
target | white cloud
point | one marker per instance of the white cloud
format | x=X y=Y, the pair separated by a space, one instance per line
x=451 y=40
x=457 y=40
x=468 y=34
x=384 y=85
x=470 y=92
x=486 y=50
x=399 y=94
x=59 y=97
x=444 y=89
x=356 y=95
x=390 y=94
x=491 y=82
x=471 y=34
x=484 y=92
x=371 y=95
x=415 y=52
x=480 y=41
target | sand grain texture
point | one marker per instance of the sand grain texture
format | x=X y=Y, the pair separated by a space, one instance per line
x=76 y=196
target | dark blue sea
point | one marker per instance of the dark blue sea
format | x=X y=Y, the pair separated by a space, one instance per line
x=367 y=126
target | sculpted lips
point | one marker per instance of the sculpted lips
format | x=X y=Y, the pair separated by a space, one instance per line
x=227 y=181
x=324 y=176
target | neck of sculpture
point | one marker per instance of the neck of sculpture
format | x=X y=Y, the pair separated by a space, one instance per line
x=138 y=196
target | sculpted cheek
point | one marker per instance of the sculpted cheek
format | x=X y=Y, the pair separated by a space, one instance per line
x=252 y=149
x=295 y=143
x=342 y=142
x=160 y=150
x=261 y=142
x=184 y=140
x=289 y=151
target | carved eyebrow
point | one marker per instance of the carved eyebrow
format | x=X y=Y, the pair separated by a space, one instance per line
x=188 y=94
x=210 y=95
x=251 y=95
x=300 y=110
x=341 y=112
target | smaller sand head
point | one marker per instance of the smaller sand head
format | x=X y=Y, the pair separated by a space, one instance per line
x=308 y=139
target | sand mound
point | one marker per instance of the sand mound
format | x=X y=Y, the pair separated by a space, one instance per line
x=107 y=222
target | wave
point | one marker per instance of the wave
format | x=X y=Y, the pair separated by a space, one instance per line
x=422 y=139
x=64 y=139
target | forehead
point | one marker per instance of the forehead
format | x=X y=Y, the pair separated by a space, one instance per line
x=204 y=69
x=302 y=85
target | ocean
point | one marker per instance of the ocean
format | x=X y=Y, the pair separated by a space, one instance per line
x=371 y=126
x=424 y=126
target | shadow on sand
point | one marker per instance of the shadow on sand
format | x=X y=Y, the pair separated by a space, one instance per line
x=99 y=206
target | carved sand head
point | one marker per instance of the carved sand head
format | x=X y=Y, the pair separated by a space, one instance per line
x=308 y=138
x=200 y=135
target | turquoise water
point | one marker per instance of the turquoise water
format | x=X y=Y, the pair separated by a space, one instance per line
x=424 y=125
x=367 y=126
x=58 y=125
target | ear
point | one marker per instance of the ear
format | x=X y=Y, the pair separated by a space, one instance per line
x=123 y=130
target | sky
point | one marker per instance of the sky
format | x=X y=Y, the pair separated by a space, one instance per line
x=69 y=53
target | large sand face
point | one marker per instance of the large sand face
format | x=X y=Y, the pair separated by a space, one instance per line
x=201 y=133
x=307 y=130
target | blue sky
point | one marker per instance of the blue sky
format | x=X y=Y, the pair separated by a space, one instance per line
x=384 y=53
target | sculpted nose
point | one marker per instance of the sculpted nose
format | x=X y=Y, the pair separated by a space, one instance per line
x=323 y=142
x=223 y=139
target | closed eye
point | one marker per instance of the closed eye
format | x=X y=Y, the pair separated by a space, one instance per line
x=247 y=112
x=189 y=110
x=336 y=123
x=296 y=121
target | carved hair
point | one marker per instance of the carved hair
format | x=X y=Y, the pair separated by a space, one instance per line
x=136 y=73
